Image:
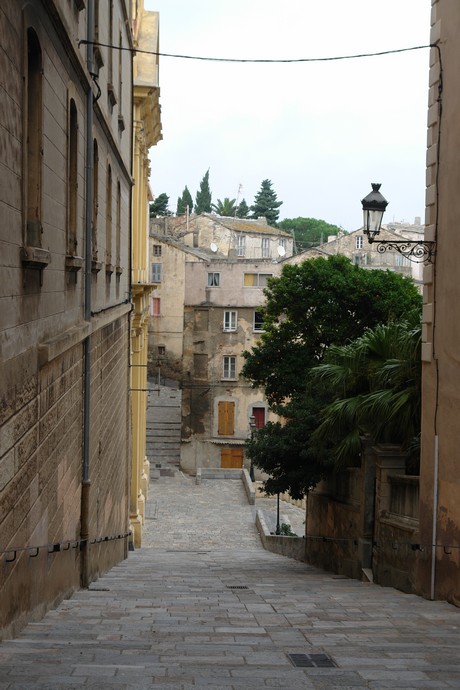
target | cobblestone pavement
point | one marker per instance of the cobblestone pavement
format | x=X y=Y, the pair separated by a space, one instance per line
x=202 y=605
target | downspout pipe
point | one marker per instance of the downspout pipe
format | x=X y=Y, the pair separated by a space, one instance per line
x=86 y=482
x=435 y=518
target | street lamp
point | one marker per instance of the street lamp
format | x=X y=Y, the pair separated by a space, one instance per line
x=252 y=427
x=374 y=206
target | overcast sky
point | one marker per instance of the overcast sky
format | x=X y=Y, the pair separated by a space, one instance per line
x=321 y=132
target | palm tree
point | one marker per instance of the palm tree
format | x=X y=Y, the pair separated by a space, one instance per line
x=226 y=208
x=376 y=381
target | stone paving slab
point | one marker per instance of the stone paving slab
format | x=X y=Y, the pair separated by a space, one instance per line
x=202 y=605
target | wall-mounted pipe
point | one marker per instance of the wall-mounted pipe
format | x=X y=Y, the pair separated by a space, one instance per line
x=86 y=482
x=434 y=535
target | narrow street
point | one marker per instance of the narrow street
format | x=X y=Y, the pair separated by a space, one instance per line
x=202 y=605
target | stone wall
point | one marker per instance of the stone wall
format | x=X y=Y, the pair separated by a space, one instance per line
x=41 y=475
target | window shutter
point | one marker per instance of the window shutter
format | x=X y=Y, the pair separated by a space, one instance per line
x=226 y=418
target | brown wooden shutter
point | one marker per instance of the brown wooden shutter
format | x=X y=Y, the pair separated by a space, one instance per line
x=226 y=418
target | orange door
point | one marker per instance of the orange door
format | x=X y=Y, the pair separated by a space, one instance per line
x=231 y=458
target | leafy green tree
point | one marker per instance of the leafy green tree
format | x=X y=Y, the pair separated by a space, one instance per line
x=376 y=383
x=282 y=451
x=184 y=201
x=313 y=305
x=226 y=208
x=203 y=196
x=243 y=209
x=266 y=203
x=159 y=207
x=309 y=232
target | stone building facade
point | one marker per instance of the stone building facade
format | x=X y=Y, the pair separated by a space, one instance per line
x=221 y=319
x=66 y=155
x=439 y=570
x=205 y=312
x=354 y=246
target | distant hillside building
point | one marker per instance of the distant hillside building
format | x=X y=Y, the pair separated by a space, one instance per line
x=209 y=273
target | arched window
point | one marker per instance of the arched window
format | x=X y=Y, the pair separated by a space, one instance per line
x=34 y=134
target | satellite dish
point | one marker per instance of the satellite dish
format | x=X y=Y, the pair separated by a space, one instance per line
x=213 y=247
x=281 y=251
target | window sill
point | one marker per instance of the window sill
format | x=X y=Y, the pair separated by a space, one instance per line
x=73 y=263
x=35 y=257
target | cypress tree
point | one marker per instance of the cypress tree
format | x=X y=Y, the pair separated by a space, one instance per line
x=266 y=204
x=203 y=196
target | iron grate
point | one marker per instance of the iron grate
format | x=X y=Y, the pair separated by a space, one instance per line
x=237 y=587
x=311 y=660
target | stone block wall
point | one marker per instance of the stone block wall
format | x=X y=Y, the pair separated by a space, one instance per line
x=41 y=473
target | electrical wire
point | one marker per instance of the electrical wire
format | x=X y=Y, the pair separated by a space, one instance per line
x=255 y=60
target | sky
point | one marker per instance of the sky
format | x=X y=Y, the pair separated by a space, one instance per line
x=320 y=131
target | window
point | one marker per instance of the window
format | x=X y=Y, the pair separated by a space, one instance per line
x=108 y=220
x=282 y=242
x=258 y=321
x=229 y=320
x=95 y=199
x=155 y=306
x=229 y=367
x=359 y=242
x=213 y=279
x=259 y=416
x=241 y=245
x=256 y=279
x=156 y=273
x=225 y=418
x=34 y=135
x=157 y=250
x=161 y=350
x=118 y=228
x=265 y=247
x=72 y=178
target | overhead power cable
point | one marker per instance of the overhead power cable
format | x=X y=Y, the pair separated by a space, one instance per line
x=255 y=60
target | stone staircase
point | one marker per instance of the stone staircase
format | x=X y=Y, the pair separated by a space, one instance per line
x=163 y=429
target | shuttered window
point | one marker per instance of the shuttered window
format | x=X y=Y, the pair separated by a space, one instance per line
x=226 y=418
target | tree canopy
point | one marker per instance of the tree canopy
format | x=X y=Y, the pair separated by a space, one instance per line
x=203 y=203
x=313 y=305
x=332 y=310
x=375 y=382
x=243 y=209
x=308 y=232
x=266 y=203
x=226 y=208
x=184 y=201
x=159 y=207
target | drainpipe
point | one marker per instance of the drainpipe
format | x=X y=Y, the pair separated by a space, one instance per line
x=435 y=517
x=86 y=482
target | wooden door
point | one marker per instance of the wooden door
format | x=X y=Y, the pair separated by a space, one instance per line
x=231 y=458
